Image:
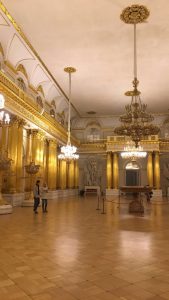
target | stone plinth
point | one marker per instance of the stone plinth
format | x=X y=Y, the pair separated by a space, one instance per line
x=5 y=209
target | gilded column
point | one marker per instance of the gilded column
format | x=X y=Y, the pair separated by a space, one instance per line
x=58 y=174
x=115 y=171
x=3 y=151
x=45 y=169
x=35 y=147
x=71 y=174
x=4 y=139
x=52 y=164
x=76 y=174
x=63 y=174
x=12 y=150
x=156 y=170
x=41 y=139
x=150 y=169
x=109 y=170
x=28 y=159
x=19 y=167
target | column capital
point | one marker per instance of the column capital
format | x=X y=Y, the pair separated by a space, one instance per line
x=52 y=142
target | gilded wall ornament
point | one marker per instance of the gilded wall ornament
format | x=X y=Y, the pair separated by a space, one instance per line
x=135 y=14
x=22 y=69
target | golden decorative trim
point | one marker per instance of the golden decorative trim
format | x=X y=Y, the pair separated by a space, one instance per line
x=10 y=66
x=23 y=105
x=134 y=14
x=40 y=89
x=92 y=148
x=70 y=70
x=132 y=93
x=1 y=50
x=22 y=69
x=32 y=88
x=18 y=29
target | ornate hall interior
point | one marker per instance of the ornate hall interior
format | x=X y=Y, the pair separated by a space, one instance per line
x=84 y=108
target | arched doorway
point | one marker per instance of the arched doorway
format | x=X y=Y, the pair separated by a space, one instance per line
x=132 y=174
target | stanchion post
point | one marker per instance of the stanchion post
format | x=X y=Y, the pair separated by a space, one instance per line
x=98 y=202
x=103 y=211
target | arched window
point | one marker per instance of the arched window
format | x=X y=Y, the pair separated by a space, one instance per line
x=52 y=113
x=39 y=101
x=21 y=84
x=93 y=134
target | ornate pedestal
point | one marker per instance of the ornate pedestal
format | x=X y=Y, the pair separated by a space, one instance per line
x=136 y=206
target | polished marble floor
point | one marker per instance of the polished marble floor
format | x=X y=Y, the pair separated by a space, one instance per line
x=75 y=252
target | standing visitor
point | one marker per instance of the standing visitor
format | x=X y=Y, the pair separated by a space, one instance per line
x=36 y=193
x=44 y=191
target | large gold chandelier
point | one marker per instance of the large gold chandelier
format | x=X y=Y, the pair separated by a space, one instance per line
x=136 y=121
x=68 y=152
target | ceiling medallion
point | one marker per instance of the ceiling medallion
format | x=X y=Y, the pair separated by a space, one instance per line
x=136 y=121
x=91 y=112
x=135 y=14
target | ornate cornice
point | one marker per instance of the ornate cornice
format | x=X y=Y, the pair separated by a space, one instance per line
x=23 y=36
x=10 y=66
x=24 y=106
x=40 y=89
x=92 y=148
x=1 y=50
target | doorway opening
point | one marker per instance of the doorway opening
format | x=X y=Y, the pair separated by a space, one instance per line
x=132 y=174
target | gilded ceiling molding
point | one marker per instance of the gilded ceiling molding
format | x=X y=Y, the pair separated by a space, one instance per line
x=21 y=33
x=1 y=50
x=10 y=66
x=23 y=105
x=33 y=88
x=40 y=89
x=21 y=68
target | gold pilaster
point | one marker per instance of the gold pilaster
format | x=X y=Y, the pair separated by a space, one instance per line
x=4 y=139
x=52 y=164
x=156 y=170
x=71 y=174
x=35 y=150
x=58 y=174
x=76 y=173
x=109 y=170
x=41 y=139
x=150 y=169
x=63 y=174
x=12 y=150
x=28 y=159
x=19 y=167
x=45 y=169
x=115 y=171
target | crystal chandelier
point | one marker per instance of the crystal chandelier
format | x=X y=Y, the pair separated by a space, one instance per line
x=4 y=117
x=136 y=121
x=68 y=152
x=132 y=152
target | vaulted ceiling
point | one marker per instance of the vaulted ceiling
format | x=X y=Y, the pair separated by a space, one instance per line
x=90 y=36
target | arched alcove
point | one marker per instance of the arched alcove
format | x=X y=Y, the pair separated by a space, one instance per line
x=132 y=173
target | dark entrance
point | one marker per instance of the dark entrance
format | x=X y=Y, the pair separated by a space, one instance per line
x=132 y=177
